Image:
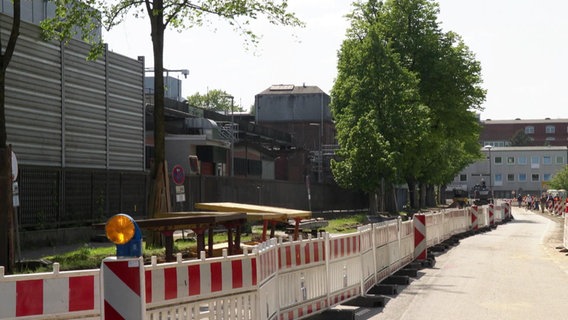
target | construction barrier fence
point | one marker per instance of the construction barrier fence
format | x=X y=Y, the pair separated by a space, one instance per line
x=277 y=279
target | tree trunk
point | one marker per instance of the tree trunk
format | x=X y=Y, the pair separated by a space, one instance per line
x=373 y=205
x=155 y=201
x=158 y=27
x=442 y=195
x=422 y=201
x=6 y=205
x=412 y=193
x=6 y=212
x=430 y=196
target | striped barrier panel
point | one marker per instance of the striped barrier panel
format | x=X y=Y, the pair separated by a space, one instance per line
x=268 y=283
x=65 y=295
x=558 y=208
x=499 y=213
x=406 y=244
x=566 y=207
x=190 y=280
x=507 y=210
x=344 y=281
x=381 y=249
x=302 y=277
x=123 y=288
x=474 y=217
x=420 y=246
x=491 y=214
x=368 y=253
x=435 y=227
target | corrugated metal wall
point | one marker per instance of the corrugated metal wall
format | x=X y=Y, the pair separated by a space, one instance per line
x=64 y=111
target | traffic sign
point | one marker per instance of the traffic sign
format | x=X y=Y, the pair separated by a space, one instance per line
x=178 y=176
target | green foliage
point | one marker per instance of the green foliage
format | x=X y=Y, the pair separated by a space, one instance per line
x=216 y=100
x=560 y=180
x=181 y=15
x=405 y=98
x=376 y=106
x=76 y=18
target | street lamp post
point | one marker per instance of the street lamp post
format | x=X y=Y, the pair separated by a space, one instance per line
x=488 y=148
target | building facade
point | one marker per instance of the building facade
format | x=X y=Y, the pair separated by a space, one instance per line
x=525 y=170
x=544 y=132
x=303 y=112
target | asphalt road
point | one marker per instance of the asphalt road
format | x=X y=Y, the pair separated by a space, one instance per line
x=513 y=272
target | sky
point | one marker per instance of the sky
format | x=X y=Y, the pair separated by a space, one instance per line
x=522 y=47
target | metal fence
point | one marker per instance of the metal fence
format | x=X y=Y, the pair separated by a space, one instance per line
x=60 y=198
x=52 y=198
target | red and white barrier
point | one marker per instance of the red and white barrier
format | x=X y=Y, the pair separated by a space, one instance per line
x=278 y=280
x=491 y=214
x=474 y=217
x=39 y=296
x=123 y=288
x=420 y=237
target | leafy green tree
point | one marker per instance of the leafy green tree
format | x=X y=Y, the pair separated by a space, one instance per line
x=450 y=86
x=445 y=90
x=216 y=100
x=560 y=180
x=163 y=14
x=6 y=207
x=376 y=107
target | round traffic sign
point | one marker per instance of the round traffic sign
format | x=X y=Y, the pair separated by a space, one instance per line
x=178 y=176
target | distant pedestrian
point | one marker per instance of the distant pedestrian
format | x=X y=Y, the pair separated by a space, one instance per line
x=542 y=202
x=520 y=200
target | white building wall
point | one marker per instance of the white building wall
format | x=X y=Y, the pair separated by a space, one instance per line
x=524 y=170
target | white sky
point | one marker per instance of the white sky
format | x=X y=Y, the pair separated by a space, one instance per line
x=522 y=46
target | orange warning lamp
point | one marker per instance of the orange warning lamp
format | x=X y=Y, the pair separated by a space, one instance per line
x=123 y=231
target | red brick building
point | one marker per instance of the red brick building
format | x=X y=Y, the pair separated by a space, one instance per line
x=545 y=132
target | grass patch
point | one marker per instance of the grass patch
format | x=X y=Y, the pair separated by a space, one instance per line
x=347 y=224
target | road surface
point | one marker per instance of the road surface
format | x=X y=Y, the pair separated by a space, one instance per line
x=513 y=272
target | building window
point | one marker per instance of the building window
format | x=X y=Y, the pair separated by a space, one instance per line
x=463 y=177
x=510 y=177
x=550 y=138
x=546 y=176
x=498 y=160
x=535 y=177
x=510 y=160
x=546 y=160
x=550 y=129
x=522 y=160
x=559 y=160
x=498 y=179
x=535 y=162
x=529 y=130
x=522 y=177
